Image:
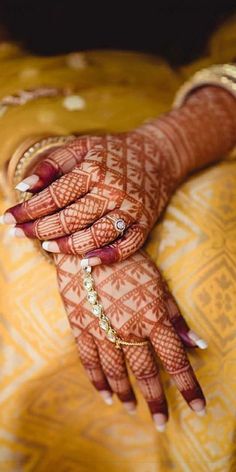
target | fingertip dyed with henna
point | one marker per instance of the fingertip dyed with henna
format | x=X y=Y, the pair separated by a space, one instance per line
x=28 y=229
x=46 y=174
x=182 y=328
x=16 y=214
x=63 y=245
x=107 y=255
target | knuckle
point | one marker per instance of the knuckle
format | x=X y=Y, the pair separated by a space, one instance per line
x=91 y=167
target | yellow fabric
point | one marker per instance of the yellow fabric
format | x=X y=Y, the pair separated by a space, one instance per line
x=51 y=419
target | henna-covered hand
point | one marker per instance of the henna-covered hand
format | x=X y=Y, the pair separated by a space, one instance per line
x=140 y=307
x=129 y=176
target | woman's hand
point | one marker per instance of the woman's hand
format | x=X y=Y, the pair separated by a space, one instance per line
x=139 y=307
x=121 y=177
x=95 y=181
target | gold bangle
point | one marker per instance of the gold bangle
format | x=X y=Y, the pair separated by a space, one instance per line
x=223 y=76
x=20 y=166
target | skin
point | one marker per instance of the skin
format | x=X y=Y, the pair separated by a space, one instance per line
x=140 y=307
x=130 y=176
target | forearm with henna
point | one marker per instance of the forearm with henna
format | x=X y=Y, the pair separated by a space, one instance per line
x=200 y=133
x=129 y=176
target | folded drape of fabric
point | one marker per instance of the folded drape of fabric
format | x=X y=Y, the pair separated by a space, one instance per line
x=50 y=416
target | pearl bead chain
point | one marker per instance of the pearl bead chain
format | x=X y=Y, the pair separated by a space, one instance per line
x=98 y=312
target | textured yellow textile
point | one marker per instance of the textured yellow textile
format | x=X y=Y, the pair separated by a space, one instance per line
x=50 y=417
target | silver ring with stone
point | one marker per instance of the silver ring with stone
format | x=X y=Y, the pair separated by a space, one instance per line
x=119 y=224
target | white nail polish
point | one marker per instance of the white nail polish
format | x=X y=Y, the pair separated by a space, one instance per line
x=160 y=427
x=22 y=187
x=108 y=400
x=132 y=412
x=27 y=183
x=106 y=396
x=201 y=344
x=12 y=232
x=198 y=341
x=201 y=412
x=84 y=263
x=130 y=408
x=46 y=245
x=50 y=246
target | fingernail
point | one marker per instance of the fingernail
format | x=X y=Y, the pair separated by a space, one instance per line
x=84 y=263
x=106 y=396
x=130 y=407
x=198 y=341
x=25 y=184
x=91 y=262
x=160 y=422
x=50 y=246
x=94 y=261
x=17 y=232
x=198 y=406
x=7 y=219
x=201 y=412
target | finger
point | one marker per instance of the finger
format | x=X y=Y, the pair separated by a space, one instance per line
x=54 y=164
x=75 y=217
x=58 y=195
x=102 y=232
x=144 y=366
x=113 y=364
x=189 y=337
x=90 y=359
x=132 y=240
x=170 y=350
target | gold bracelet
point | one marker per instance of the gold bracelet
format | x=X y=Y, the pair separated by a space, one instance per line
x=223 y=76
x=97 y=311
x=17 y=172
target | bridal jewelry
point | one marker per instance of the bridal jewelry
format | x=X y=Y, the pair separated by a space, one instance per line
x=119 y=223
x=97 y=310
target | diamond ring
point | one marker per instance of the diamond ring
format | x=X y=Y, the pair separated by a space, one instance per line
x=119 y=223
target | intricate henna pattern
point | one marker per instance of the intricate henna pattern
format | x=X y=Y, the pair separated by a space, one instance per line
x=135 y=173
x=137 y=302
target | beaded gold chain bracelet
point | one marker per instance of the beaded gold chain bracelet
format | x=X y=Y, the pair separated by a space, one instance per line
x=98 y=312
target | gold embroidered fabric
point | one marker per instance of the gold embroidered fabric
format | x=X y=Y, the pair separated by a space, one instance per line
x=50 y=417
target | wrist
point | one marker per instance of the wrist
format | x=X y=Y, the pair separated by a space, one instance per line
x=207 y=122
x=197 y=134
